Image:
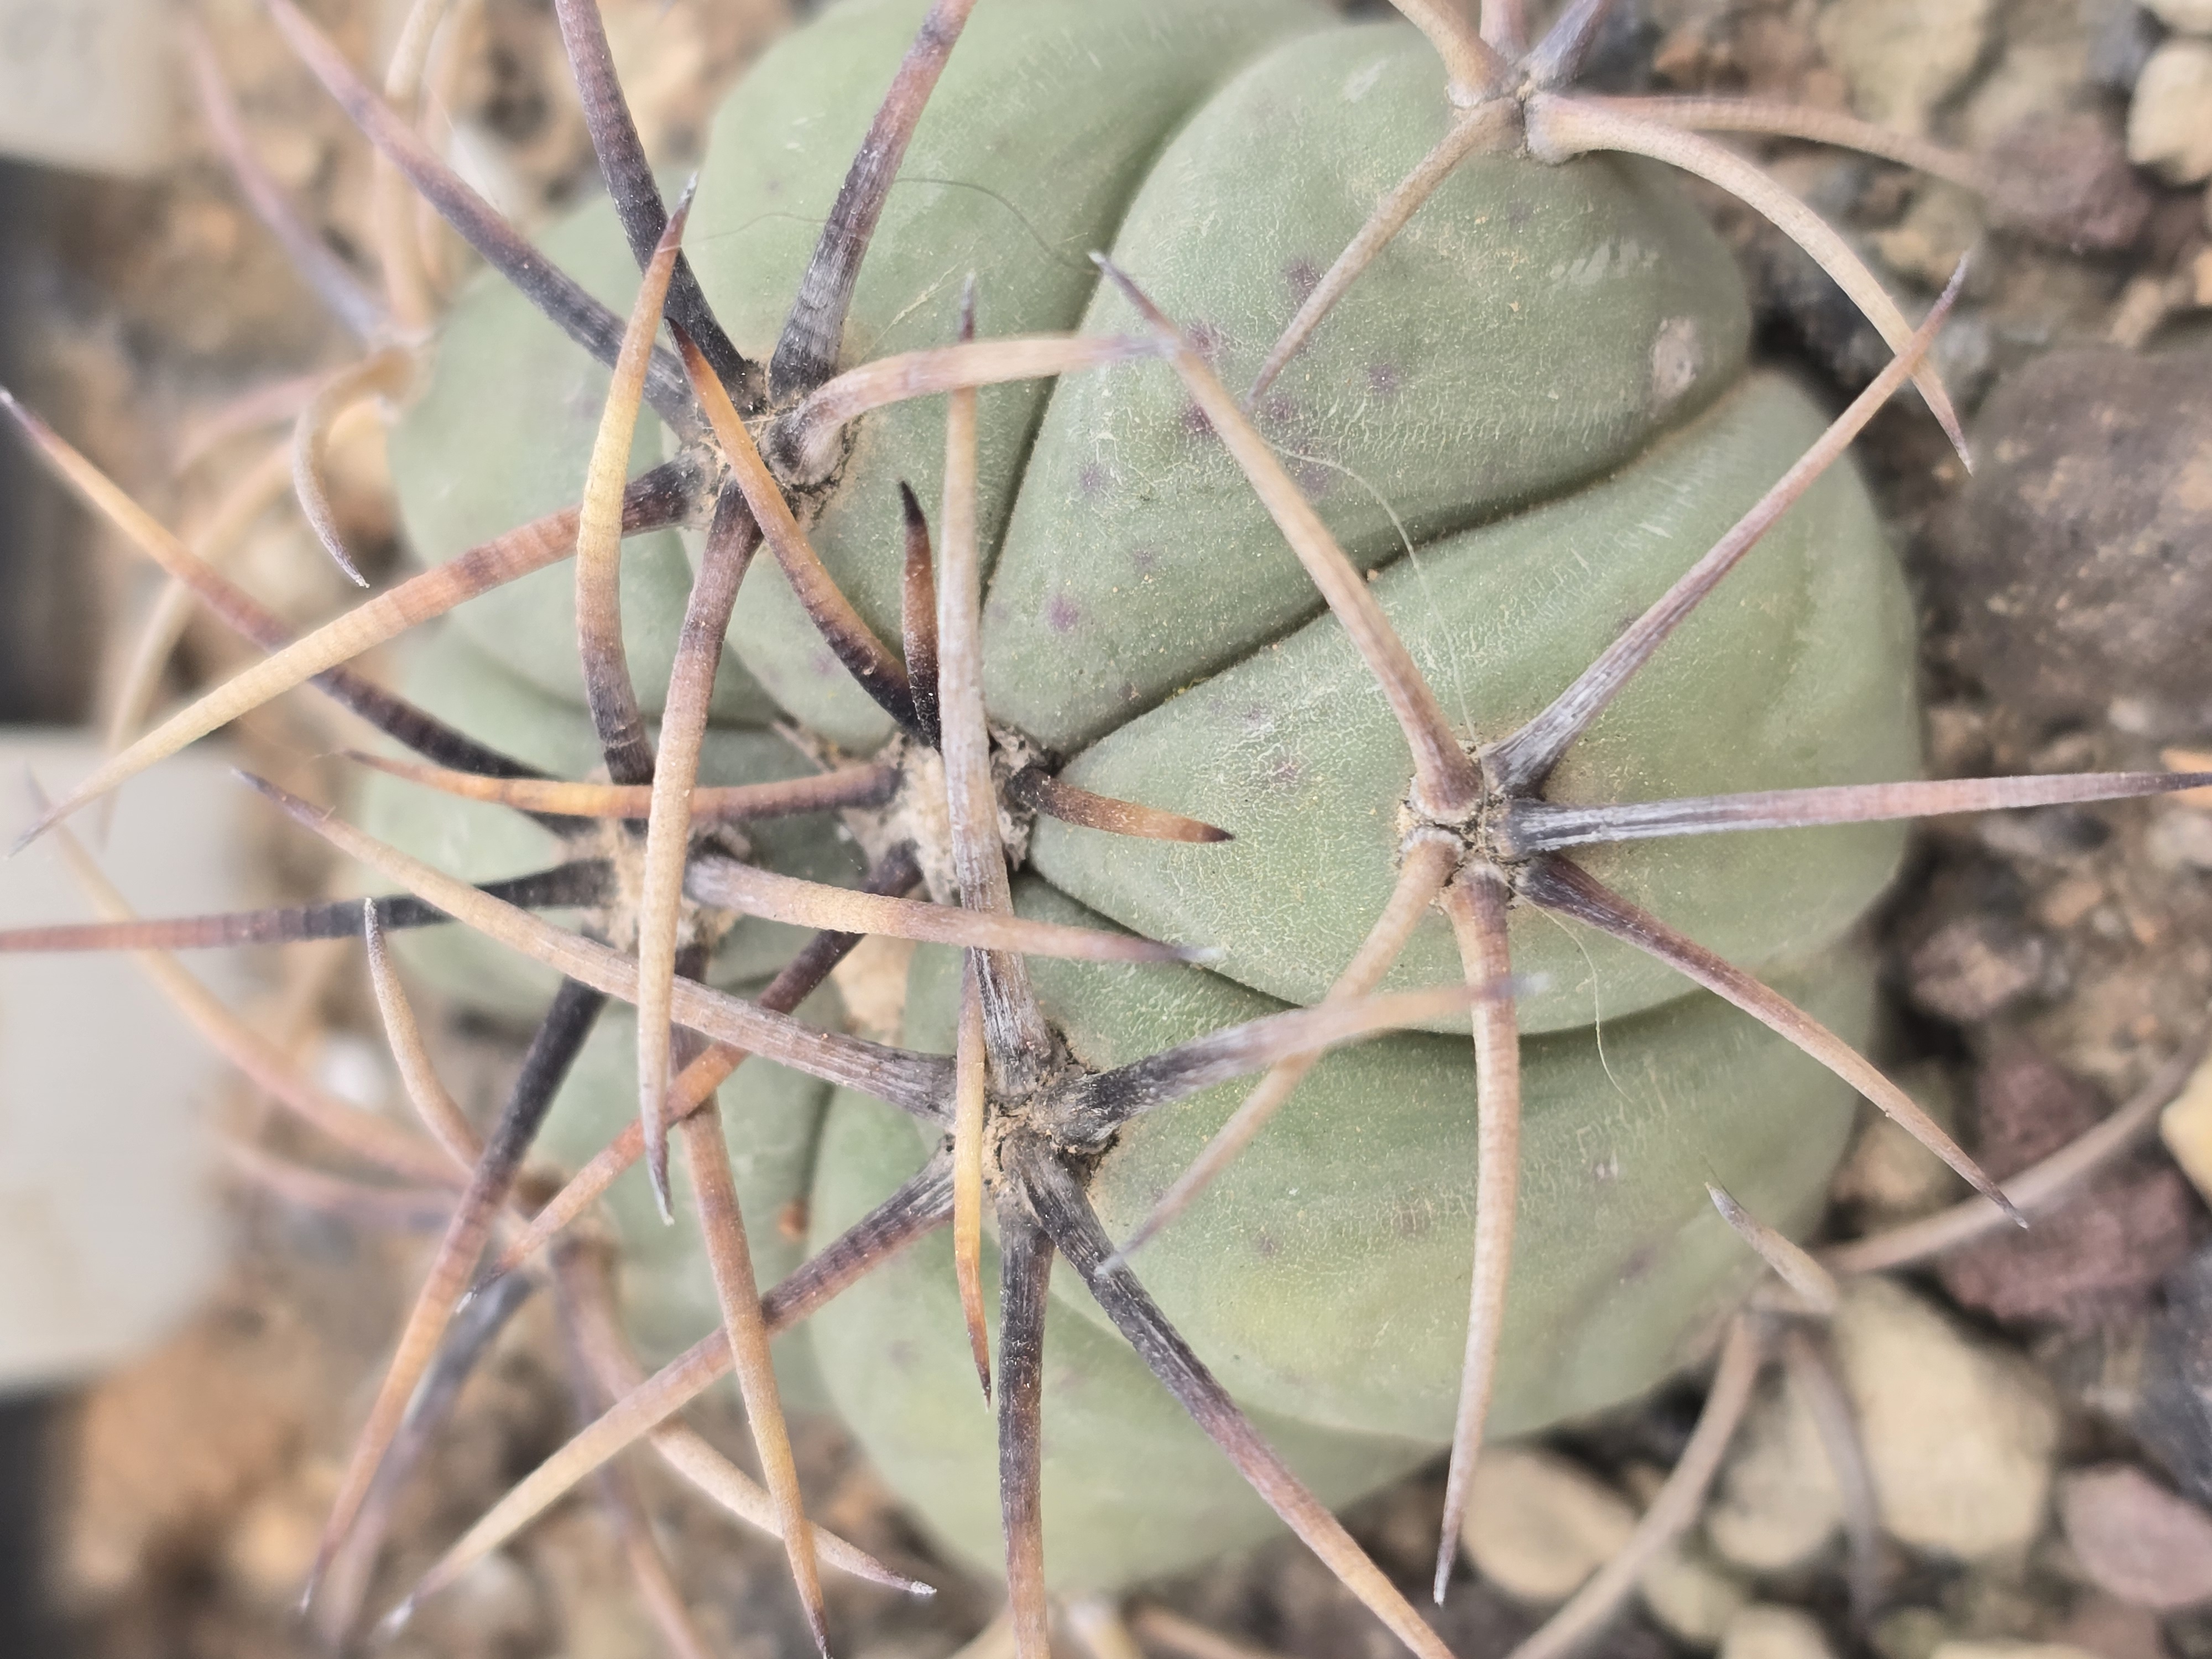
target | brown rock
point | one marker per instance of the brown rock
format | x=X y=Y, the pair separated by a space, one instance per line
x=2065 y=180
x=2136 y=1540
x=2077 y=567
x=2094 y=1260
x=2091 y=1262
x=2025 y=1108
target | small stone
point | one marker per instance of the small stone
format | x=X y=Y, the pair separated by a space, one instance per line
x=1960 y=1436
x=2044 y=67
x=1972 y=967
x=2170 y=119
x=2071 y=565
x=2180 y=838
x=2136 y=1540
x=1889 y=1174
x=2185 y=1125
x=1777 y=1504
x=1909 y=1633
x=1928 y=243
x=2081 y=1267
x=2096 y=1256
x=1692 y=1598
x=1902 y=59
x=2069 y=903
x=2065 y=180
x=1537 y=1525
x=2145 y=303
x=272 y=1547
x=1764 y=1631
x=1894 y=1176
x=2110 y=1629
x=2183 y=16
x=493 y=1608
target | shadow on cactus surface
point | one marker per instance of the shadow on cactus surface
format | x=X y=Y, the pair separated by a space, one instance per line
x=1266 y=530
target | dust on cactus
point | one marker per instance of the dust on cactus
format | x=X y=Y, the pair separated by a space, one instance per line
x=1222 y=731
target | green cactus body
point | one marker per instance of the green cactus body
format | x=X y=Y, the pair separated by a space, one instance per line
x=772 y=1119
x=503 y=435
x=449 y=676
x=1324 y=1277
x=1526 y=420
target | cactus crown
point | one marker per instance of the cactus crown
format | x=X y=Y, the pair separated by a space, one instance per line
x=662 y=869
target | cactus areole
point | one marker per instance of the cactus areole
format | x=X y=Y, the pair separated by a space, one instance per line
x=1523 y=423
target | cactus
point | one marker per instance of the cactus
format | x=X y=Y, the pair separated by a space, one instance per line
x=1222 y=732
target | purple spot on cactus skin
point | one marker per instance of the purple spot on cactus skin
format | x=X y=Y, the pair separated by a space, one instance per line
x=1144 y=560
x=1092 y=480
x=1382 y=380
x=825 y=664
x=1267 y=1246
x=1062 y=615
x=1638 y=1265
x=1286 y=773
x=1196 y=422
x=1302 y=278
x=1207 y=339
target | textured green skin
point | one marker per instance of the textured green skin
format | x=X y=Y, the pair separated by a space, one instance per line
x=1534 y=329
x=1048 y=115
x=1324 y=1277
x=446 y=675
x=502 y=435
x=1797 y=671
x=771 y=1121
x=1542 y=384
x=1504 y=349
